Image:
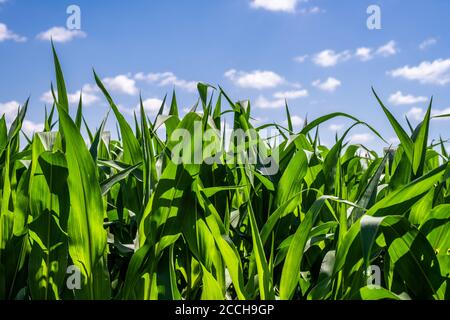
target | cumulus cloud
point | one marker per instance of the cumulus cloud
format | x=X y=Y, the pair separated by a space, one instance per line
x=415 y=113
x=60 y=34
x=166 y=79
x=427 y=43
x=398 y=98
x=295 y=94
x=329 y=58
x=330 y=85
x=47 y=97
x=434 y=72
x=264 y=103
x=88 y=98
x=297 y=121
x=279 y=99
x=121 y=84
x=6 y=34
x=289 y=6
x=9 y=109
x=418 y=114
x=88 y=94
x=361 y=138
x=388 y=49
x=364 y=54
x=394 y=140
x=335 y=126
x=30 y=127
x=151 y=106
x=257 y=79
x=275 y=5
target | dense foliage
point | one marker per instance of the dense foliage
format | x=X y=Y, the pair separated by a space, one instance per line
x=136 y=225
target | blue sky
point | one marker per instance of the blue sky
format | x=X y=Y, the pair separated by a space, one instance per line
x=319 y=54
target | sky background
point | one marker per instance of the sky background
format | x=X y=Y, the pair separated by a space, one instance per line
x=318 y=54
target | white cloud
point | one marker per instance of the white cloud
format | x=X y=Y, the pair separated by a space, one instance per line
x=60 y=34
x=399 y=98
x=9 y=109
x=256 y=79
x=388 y=49
x=6 y=34
x=364 y=54
x=89 y=96
x=361 y=138
x=128 y=111
x=275 y=5
x=435 y=72
x=291 y=94
x=329 y=58
x=330 y=85
x=301 y=59
x=418 y=114
x=122 y=84
x=279 y=99
x=415 y=113
x=427 y=43
x=151 y=105
x=335 y=127
x=297 y=121
x=30 y=127
x=47 y=97
x=394 y=140
x=166 y=79
x=264 y=103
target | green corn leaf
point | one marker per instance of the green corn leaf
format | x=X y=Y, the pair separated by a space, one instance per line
x=405 y=140
x=87 y=238
x=291 y=268
x=420 y=143
x=62 y=101
x=131 y=149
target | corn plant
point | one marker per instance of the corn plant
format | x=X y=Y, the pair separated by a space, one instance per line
x=339 y=222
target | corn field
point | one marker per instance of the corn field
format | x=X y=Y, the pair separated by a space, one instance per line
x=119 y=219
